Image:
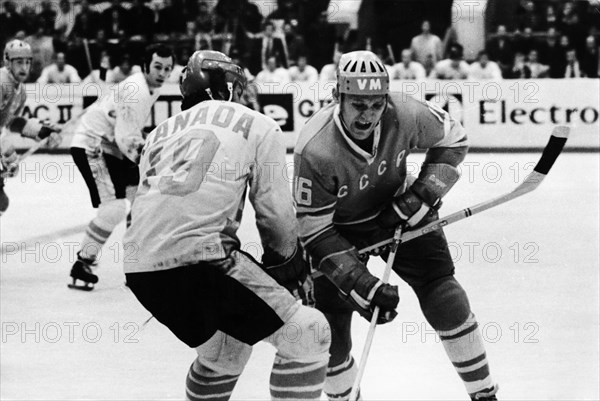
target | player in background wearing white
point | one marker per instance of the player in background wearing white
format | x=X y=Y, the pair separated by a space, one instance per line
x=188 y=269
x=17 y=64
x=105 y=148
x=351 y=191
x=454 y=67
x=484 y=68
x=407 y=69
x=303 y=72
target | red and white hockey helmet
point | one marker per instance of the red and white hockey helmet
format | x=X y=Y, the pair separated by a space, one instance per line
x=362 y=73
x=17 y=49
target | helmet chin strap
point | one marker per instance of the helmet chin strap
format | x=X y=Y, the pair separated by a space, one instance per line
x=229 y=88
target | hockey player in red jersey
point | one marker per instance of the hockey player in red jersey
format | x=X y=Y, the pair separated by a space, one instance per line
x=351 y=191
x=105 y=148
x=188 y=269
x=17 y=63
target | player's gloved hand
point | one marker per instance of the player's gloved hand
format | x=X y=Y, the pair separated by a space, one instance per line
x=407 y=208
x=35 y=129
x=290 y=273
x=54 y=139
x=8 y=158
x=133 y=148
x=369 y=292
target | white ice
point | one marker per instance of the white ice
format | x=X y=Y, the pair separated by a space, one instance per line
x=530 y=267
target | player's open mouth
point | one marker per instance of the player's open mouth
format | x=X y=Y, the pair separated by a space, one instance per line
x=362 y=126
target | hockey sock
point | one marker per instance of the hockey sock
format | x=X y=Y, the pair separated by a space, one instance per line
x=204 y=384
x=291 y=380
x=465 y=348
x=109 y=215
x=340 y=379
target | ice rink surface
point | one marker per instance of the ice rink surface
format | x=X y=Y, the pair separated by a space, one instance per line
x=530 y=267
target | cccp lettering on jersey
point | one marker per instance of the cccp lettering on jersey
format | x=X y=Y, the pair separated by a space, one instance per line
x=223 y=117
x=363 y=181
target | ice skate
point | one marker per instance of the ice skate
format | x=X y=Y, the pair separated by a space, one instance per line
x=82 y=270
x=486 y=395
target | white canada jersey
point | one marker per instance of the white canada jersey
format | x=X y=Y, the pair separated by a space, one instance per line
x=194 y=172
x=117 y=116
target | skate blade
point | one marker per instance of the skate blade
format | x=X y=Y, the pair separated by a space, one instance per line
x=81 y=287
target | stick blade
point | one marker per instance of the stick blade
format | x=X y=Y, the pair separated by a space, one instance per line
x=561 y=131
x=553 y=148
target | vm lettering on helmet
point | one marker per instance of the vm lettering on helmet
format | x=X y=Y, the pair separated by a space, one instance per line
x=374 y=83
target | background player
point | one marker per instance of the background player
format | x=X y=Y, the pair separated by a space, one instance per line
x=17 y=64
x=105 y=148
x=350 y=189
x=189 y=271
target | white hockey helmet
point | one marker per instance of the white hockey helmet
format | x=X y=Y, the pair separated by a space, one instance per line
x=17 y=49
x=362 y=73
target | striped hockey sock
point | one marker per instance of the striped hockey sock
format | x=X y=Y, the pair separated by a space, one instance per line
x=340 y=379
x=94 y=239
x=465 y=348
x=292 y=380
x=110 y=214
x=204 y=384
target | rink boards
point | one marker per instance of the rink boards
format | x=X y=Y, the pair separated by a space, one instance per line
x=508 y=114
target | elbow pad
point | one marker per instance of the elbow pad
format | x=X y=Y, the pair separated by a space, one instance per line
x=434 y=182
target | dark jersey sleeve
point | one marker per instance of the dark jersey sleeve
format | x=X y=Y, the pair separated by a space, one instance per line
x=315 y=195
x=446 y=143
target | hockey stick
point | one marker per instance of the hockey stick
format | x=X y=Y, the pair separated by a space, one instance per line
x=532 y=181
x=371 y=334
x=34 y=148
x=88 y=57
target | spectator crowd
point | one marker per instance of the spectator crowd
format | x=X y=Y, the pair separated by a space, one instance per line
x=294 y=42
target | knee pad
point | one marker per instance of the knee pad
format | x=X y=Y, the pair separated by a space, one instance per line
x=111 y=213
x=444 y=303
x=224 y=354
x=305 y=337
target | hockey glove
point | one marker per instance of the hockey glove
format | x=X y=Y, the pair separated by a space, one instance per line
x=420 y=201
x=133 y=148
x=35 y=129
x=9 y=158
x=407 y=208
x=290 y=273
x=368 y=292
x=53 y=135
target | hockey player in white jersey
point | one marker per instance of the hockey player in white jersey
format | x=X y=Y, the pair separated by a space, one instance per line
x=17 y=64
x=105 y=148
x=188 y=269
